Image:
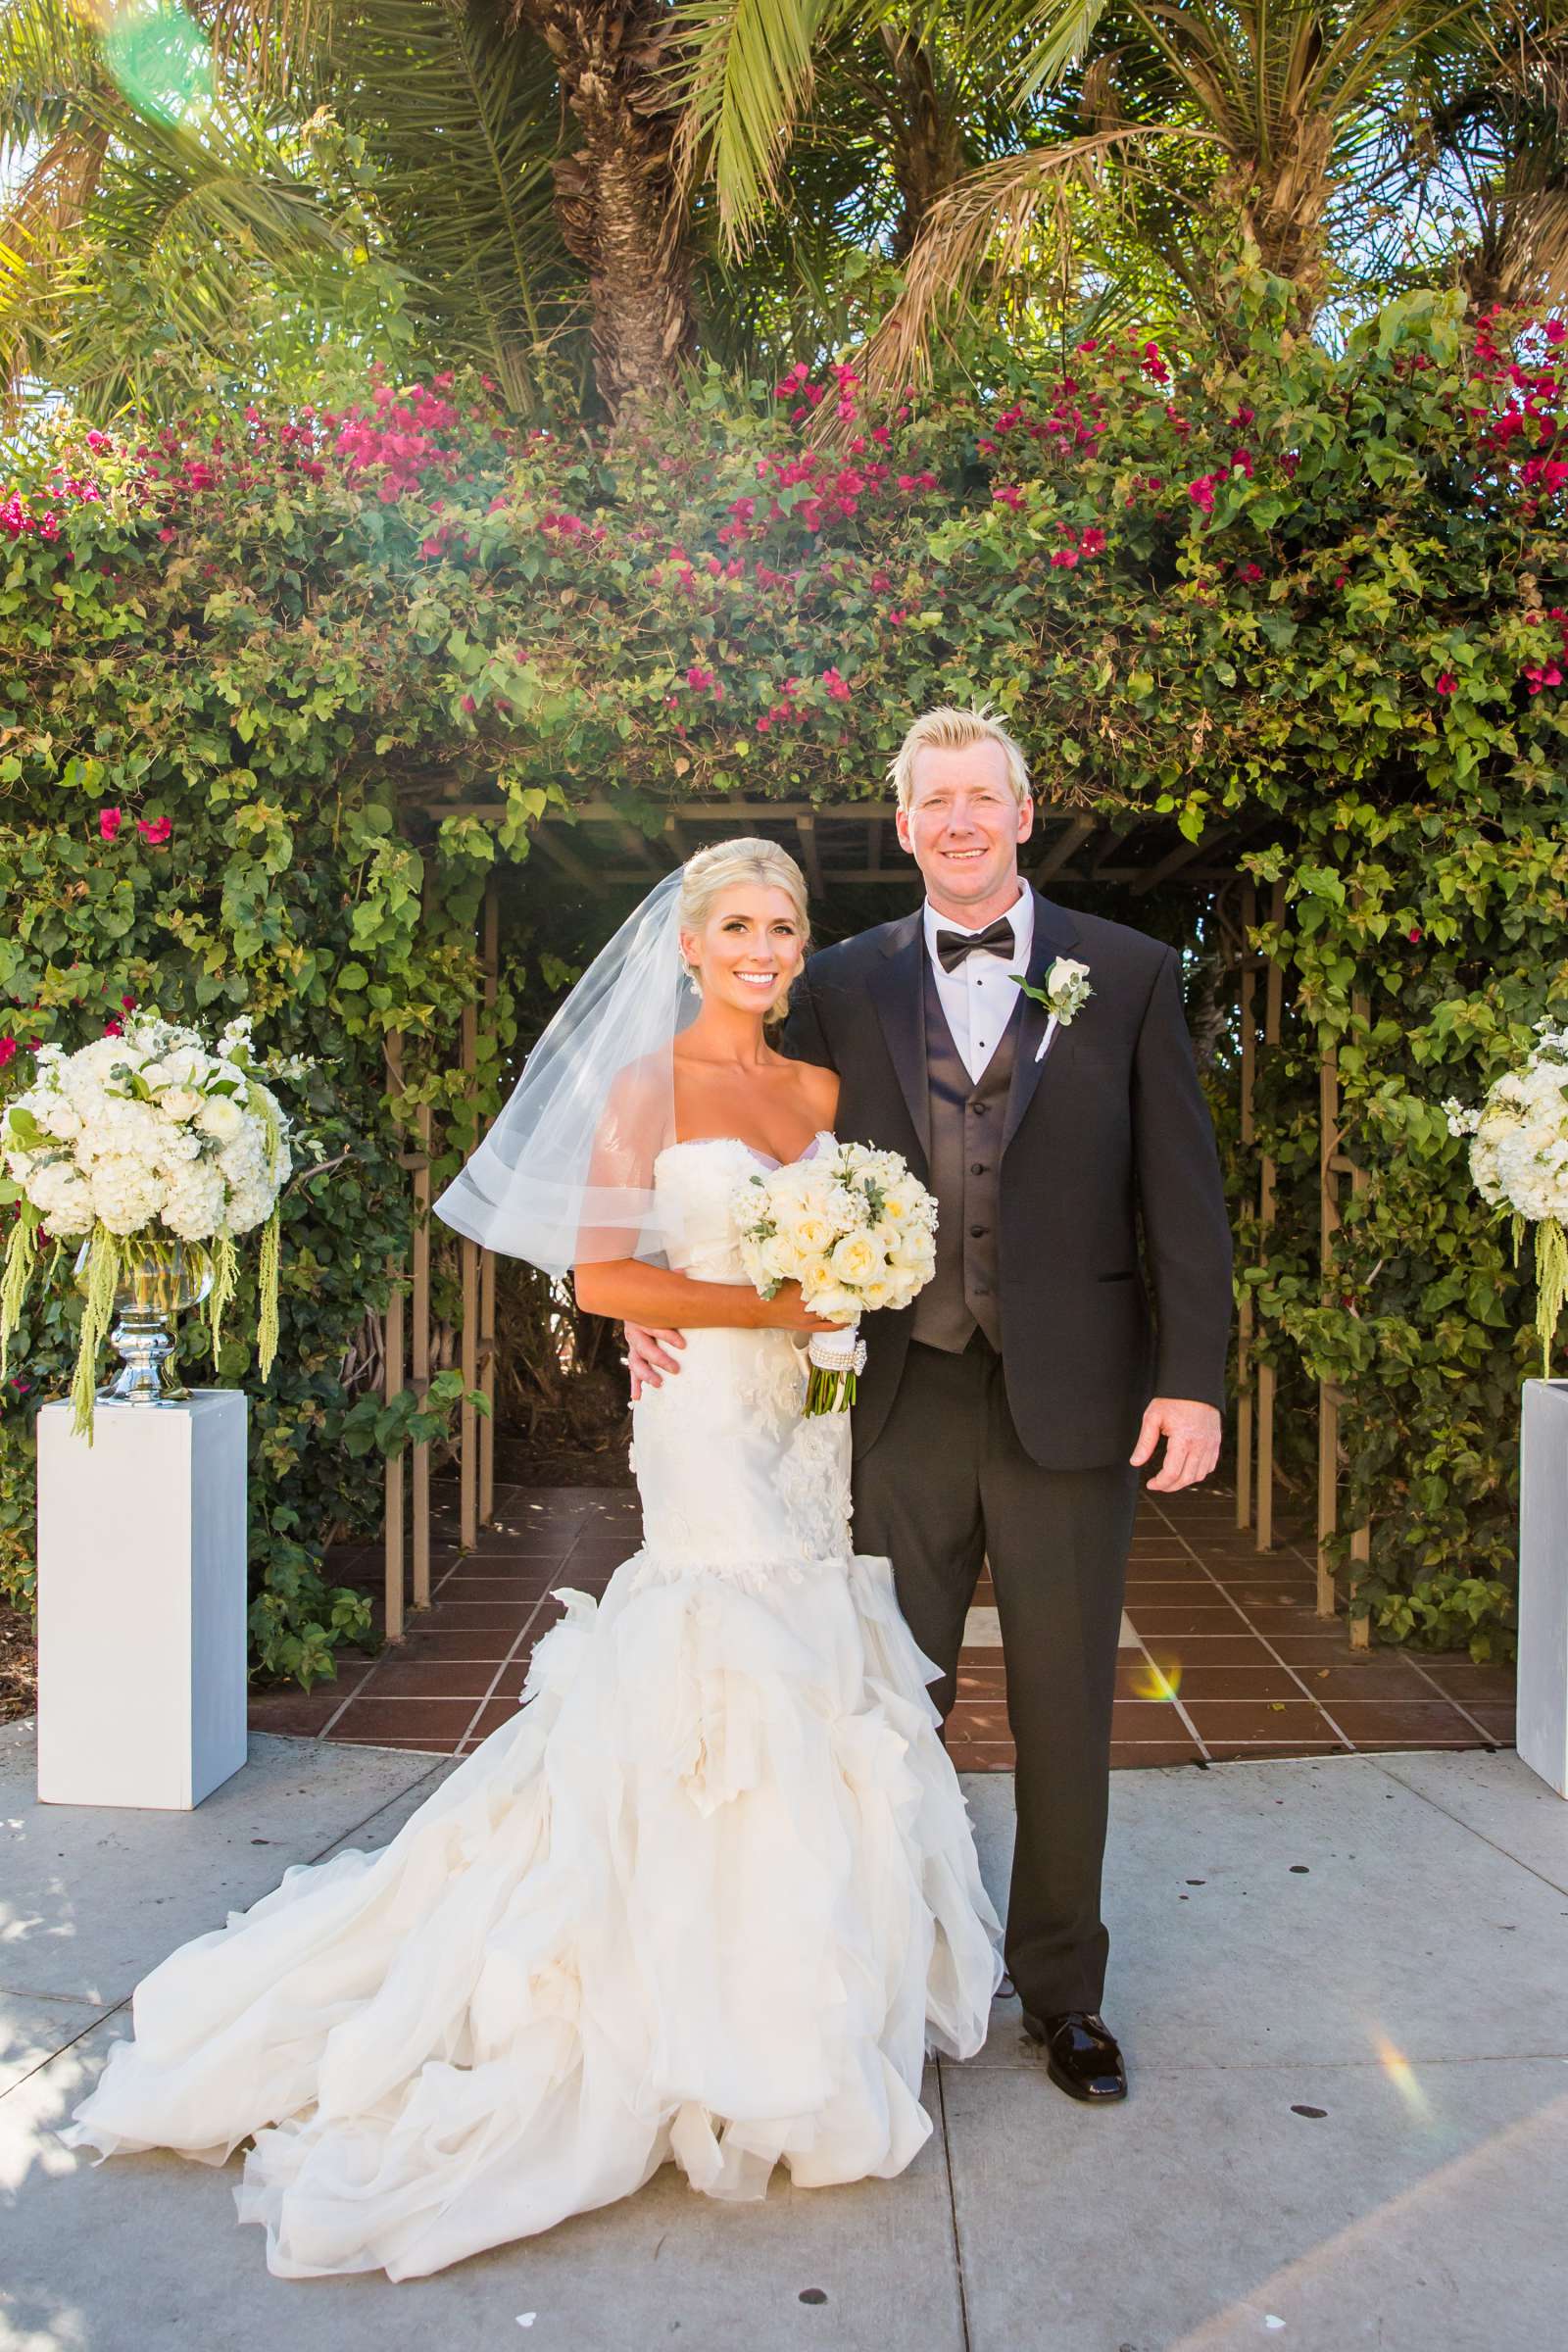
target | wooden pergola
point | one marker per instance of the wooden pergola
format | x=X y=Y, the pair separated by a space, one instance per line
x=598 y=850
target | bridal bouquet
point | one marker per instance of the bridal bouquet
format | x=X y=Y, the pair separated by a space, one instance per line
x=1519 y=1159
x=856 y=1230
x=136 y=1143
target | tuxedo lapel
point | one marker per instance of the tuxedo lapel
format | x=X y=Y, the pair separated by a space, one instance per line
x=898 y=991
x=1054 y=934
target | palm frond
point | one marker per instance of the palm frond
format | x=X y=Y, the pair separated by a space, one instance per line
x=746 y=74
x=991 y=214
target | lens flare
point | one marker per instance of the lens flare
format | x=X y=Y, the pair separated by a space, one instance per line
x=160 y=59
x=1402 y=2073
x=1160 y=1678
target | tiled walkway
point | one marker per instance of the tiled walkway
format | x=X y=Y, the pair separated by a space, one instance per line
x=1222 y=1651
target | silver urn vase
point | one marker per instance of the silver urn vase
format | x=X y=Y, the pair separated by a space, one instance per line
x=157 y=1280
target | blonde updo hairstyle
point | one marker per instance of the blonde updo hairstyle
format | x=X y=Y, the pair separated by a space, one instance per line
x=708 y=874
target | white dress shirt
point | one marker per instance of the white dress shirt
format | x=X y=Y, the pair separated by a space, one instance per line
x=978 y=997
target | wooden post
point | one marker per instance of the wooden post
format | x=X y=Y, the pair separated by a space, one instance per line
x=1328 y=1393
x=1360 y=1536
x=468 y=1335
x=419 y=1376
x=1273 y=1004
x=1245 y=1312
x=1332 y=1163
x=487 y=1257
x=391 y=1385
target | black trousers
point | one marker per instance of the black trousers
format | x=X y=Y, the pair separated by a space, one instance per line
x=946 y=1486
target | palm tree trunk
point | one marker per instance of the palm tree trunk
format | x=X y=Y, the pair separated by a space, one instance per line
x=617 y=199
x=1283 y=204
x=927 y=152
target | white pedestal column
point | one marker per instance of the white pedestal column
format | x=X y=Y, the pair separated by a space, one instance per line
x=141 y=1602
x=1544 y=1581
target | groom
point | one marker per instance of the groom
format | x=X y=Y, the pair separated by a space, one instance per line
x=1003 y=1417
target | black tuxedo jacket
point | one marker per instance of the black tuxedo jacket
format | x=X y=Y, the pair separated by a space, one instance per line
x=1110 y=1128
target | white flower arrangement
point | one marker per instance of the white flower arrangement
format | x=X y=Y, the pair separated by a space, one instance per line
x=856 y=1230
x=1519 y=1160
x=132 y=1142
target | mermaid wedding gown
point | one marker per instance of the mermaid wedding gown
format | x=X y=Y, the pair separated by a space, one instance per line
x=708 y=1896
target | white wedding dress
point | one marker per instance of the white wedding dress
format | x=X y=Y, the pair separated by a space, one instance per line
x=709 y=1896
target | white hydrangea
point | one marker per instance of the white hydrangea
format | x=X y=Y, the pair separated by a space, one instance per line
x=193 y=1207
x=1519 y=1138
x=126 y=1194
x=194 y=1157
x=64 y=1199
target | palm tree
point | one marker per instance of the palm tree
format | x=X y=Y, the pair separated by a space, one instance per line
x=1499 y=126
x=1266 y=114
x=415 y=138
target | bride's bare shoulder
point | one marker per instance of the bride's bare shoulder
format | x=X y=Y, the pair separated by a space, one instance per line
x=820 y=1089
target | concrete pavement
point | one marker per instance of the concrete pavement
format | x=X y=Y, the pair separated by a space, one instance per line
x=1341 y=1984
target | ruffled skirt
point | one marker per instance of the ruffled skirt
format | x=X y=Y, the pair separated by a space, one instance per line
x=709 y=1897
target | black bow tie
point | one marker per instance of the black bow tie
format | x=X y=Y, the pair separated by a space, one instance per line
x=996 y=939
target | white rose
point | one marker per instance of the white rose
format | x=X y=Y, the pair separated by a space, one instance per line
x=180 y=1102
x=856 y=1260
x=220 y=1117
x=59 y=1117
x=810 y=1234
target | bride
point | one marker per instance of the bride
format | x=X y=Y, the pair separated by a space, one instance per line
x=711 y=1895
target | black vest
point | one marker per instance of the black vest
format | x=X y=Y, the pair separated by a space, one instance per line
x=966 y=1175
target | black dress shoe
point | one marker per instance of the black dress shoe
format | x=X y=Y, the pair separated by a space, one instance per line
x=1082 y=2055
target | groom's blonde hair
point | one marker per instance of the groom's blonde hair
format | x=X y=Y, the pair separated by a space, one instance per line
x=947 y=729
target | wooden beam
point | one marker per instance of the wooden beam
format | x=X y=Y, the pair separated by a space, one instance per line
x=810 y=855
x=641 y=848
x=1174 y=860
x=1074 y=833
x=569 y=862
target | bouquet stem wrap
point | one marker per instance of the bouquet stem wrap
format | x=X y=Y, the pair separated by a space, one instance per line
x=837 y=1359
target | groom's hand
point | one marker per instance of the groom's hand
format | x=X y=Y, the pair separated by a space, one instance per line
x=646 y=1357
x=1192 y=1435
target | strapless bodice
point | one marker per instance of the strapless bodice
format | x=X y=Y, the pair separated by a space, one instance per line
x=704 y=1174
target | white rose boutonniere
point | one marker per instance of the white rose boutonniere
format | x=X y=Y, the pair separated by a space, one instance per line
x=1065 y=994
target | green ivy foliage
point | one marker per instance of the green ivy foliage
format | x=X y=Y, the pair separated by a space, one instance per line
x=1315 y=596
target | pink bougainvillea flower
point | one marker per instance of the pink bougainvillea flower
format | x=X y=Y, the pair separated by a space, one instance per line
x=1413 y=935
x=1008 y=494
x=469 y=705
x=113 y=1028
x=1063 y=558
x=837 y=687
x=1446 y=682
x=1202 y=492
x=110 y=821
x=154 y=830
x=698 y=678
x=128 y=1003
x=1092 y=543
x=8 y=1050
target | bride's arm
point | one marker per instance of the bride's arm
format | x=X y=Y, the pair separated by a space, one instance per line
x=634 y=1292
